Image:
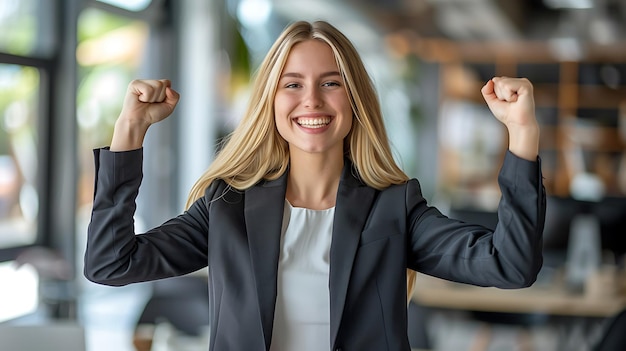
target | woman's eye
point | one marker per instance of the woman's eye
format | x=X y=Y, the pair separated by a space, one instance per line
x=292 y=85
x=331 y=84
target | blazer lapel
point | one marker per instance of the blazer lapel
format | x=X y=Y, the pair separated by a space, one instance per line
x=353 y=205
x=264 y=206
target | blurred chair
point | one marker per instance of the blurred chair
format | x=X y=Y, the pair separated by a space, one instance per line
x=614 y=336
x=56 y=281
x=66 y=336
x=182 y=302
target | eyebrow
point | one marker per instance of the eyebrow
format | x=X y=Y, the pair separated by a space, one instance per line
x=298 y=75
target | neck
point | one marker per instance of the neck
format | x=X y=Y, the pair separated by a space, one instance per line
x=313 y=180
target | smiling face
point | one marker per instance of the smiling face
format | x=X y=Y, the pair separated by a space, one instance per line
x=312 y=110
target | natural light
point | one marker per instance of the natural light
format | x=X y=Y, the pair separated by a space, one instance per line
x=21 y=298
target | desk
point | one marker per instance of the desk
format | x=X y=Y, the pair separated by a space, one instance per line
x=553 y=300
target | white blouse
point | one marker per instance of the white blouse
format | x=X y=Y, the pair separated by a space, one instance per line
x=302 y=315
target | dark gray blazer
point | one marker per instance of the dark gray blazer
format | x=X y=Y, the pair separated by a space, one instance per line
x=377 y=235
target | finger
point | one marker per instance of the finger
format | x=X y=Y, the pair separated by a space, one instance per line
x=149 y=90
x=157 y=93
x=164 y=84
x=506 y=89
x=160 y=94
x=144 y=90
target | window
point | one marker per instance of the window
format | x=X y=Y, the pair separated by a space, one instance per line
x=110 y=49
x=27 y=59
x=25 y=30
x=40 y=147
x=19 y=200
x=27 y=44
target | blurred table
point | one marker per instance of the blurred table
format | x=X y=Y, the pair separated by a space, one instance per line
x=551 y=299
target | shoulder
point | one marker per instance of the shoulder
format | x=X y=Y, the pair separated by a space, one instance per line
x=219 y=189
x=398 y=194
x=407 y=194
x=411 y=185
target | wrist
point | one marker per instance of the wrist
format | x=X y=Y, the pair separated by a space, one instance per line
x=524 y=141
x=128 y=134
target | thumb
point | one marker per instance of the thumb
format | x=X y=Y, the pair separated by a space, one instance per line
x=171 y=97
x=489 y=93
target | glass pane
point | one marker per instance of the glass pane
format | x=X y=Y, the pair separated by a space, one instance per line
x=110 y=49
x=26 y=27
x=19 y=200
x=109 y=54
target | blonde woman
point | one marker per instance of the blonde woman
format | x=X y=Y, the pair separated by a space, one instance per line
x=305 y=221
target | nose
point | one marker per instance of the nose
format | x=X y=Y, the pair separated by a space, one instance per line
x=313 y=98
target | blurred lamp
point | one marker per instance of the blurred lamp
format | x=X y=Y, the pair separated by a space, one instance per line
x=254 y=12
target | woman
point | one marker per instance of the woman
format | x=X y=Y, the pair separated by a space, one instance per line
x=305 y=221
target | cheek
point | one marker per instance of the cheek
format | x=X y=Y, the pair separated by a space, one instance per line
x=281 y=126
x=342 y=104
x=282 y=103
x=347 y=126
x=348 y=120
x=281 y=122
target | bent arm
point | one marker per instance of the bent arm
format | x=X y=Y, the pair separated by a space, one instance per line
x=508 y=257
x=115 y=255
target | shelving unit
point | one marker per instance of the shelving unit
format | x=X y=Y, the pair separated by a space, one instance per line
x=581 y=107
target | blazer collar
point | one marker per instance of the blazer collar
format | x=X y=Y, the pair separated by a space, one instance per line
x=354 y=201
x=264 y=208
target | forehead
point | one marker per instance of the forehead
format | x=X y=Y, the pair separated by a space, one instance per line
x=312 y=54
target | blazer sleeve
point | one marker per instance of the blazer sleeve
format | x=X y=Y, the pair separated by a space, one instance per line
x=508 y=257
x=115 y=254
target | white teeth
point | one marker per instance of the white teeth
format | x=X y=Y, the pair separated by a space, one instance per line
x=313 y=122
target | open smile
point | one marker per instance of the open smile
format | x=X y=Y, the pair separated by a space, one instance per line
x=313 y=122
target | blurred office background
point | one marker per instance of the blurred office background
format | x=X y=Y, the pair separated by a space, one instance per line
x=64 y=68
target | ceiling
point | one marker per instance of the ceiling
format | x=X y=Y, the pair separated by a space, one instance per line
x=598 y=21
x=560 y=29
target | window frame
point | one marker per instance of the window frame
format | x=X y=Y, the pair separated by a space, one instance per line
x=56 y=129
x=45 y=66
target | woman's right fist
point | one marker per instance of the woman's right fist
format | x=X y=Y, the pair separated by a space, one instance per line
x=149 y=101
x=146 y=102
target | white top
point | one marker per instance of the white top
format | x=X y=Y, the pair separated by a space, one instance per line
x=302 y=315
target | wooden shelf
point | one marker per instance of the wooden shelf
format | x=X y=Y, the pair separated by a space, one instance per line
x=578 y=109
x=593 y=96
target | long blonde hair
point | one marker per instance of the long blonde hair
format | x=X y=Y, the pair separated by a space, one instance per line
x=255 y=150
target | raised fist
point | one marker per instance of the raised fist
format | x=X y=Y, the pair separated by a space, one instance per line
x=149 y=101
